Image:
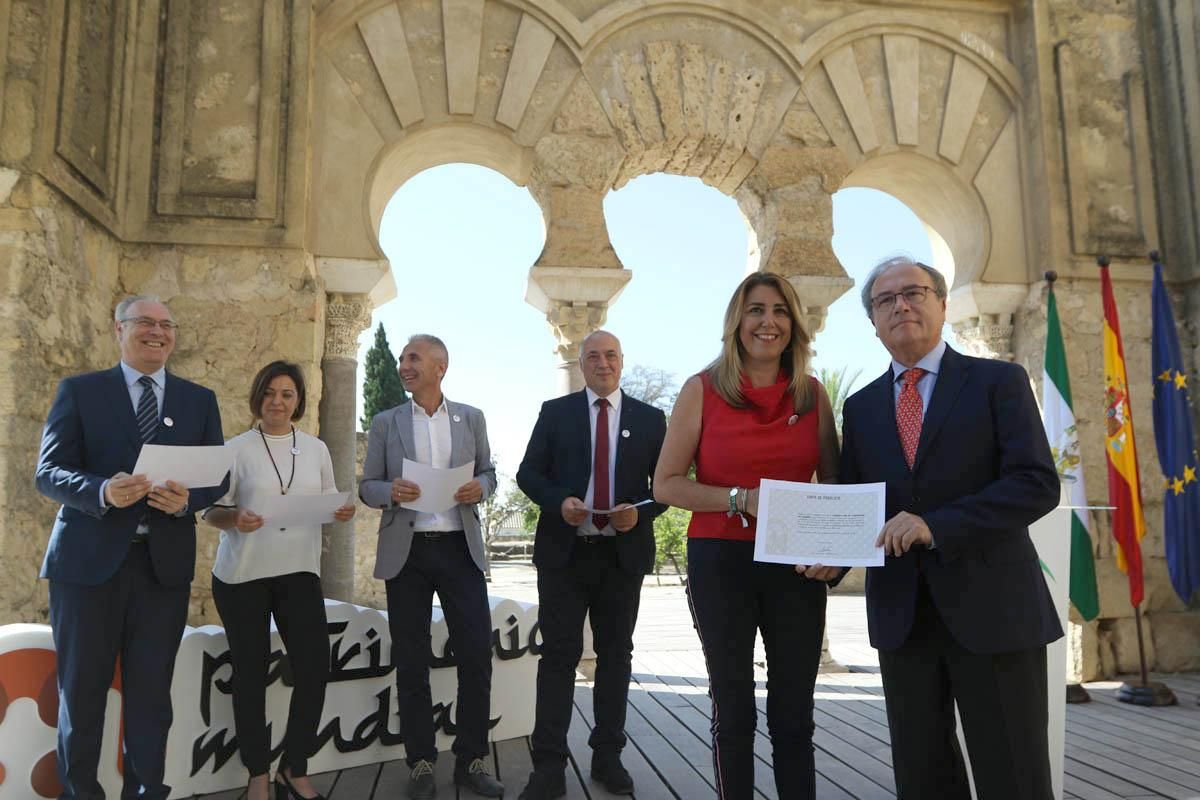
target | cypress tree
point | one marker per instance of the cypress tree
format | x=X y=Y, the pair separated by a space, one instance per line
x=381 y=385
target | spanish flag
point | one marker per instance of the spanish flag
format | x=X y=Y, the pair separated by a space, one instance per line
x=1124 y=492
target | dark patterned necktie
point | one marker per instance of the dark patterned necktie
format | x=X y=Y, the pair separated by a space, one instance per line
x=602 y=497
x=909 y=414
x=147 y=410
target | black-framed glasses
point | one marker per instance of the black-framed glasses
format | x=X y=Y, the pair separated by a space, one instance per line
x=913 y=296
x=146 y=323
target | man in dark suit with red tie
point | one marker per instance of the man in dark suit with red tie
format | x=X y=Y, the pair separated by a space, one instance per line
x=959 y=612
x=122 y=552
x=591 y=452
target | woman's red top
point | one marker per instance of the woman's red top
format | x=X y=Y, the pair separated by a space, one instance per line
x=741 y=446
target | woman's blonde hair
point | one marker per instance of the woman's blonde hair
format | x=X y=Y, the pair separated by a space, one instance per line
x=727 y=370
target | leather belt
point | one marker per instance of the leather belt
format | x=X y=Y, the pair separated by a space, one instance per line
x=595 y=538
x=438 y=534
x=140 y=538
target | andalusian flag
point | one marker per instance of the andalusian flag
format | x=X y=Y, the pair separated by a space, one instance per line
x=1058 y=416
x=1124 y=492
x=1176 y=447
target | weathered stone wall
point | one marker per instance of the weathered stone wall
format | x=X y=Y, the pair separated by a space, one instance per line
x=237 y=308
x=59 y=274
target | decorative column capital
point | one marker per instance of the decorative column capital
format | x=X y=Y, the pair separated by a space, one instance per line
x=817 y=293
x=571 y=324
x=981 y=316
x=346 y=316
x=575 y=301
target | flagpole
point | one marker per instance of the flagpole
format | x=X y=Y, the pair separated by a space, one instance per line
x=1075 y=692
x=1147 y=693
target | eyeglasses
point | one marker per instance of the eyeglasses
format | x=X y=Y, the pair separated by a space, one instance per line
x=146 y=323
x=913 y=296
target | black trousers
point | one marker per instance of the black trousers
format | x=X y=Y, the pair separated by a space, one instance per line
x=1003 y=702
x=441 y=563
x=298 y=605
x=732 y=597
x=133 y=616
x=595 y=581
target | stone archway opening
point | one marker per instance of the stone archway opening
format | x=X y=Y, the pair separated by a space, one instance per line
x=460 y=238
x=870 y=225
x=687 y=245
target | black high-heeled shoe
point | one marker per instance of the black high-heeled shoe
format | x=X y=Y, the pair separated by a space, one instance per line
x=284 y=790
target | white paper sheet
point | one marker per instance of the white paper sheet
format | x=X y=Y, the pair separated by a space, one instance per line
x=815 y=523
x=611 y=511
x=281 y=510
x=437 y=485
x=196 y=467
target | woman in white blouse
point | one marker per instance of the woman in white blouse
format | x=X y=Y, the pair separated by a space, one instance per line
x=263 y=570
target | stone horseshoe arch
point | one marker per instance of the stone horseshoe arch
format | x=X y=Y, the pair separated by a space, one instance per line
x=896 y=100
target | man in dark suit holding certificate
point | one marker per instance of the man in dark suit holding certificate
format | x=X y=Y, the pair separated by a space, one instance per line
x=122 y=551
x=959 y=612
x=589 y=465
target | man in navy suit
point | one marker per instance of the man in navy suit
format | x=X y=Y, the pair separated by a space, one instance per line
x=959 y=612
x=590 y=450
x=122 y=551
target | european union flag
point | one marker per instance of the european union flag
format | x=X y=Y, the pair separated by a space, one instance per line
x=1176 y=446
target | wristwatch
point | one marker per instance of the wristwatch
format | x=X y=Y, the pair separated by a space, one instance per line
x=733 y=495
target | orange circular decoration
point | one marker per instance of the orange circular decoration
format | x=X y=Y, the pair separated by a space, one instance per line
x=3 y=707
x=45 y=776
x=3 y=774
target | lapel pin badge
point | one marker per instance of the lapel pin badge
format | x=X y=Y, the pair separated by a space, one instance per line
x=456 y=418
x=170 y=423
x=625 y=434
x=295 y=451
x=793 y=419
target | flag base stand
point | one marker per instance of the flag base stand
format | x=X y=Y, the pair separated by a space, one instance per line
x=1145 y=692
x=1151 y=694
x=1077 y=694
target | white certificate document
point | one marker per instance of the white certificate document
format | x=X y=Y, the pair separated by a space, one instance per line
x=820 y=523
x=196 y=467
x=281 y=510
x=437 y=485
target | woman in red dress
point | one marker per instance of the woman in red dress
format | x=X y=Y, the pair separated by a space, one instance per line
x=754 y=413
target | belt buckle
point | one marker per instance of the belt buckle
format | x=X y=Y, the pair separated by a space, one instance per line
x=431 y=534
x=593 y=538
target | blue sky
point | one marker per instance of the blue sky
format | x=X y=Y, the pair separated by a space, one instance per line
x=461 y=240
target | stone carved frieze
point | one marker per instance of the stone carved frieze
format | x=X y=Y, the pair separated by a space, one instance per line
x=1107 y=155
x=226 y=78
x=91 y=87
x=346 y=316
x=678 y=107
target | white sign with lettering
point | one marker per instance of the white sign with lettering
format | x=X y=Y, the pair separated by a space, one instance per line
x=358 y=726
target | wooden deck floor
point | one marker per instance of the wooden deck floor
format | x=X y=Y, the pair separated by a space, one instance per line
x=1113 y=750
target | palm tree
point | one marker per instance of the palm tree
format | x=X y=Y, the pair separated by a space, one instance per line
x=838 y=385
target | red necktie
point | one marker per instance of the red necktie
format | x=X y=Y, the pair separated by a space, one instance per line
x=602 y=497
x=908 y=414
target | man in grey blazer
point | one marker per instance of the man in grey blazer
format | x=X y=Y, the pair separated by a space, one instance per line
x=420 y=553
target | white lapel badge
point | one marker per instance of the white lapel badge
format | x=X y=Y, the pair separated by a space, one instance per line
x=793 y=419
x=170 y=423
x=456 y=418
x=625 y=434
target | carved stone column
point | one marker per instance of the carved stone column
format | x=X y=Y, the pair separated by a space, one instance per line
x=346 y=316
x=981 y=315
x=575 y=301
